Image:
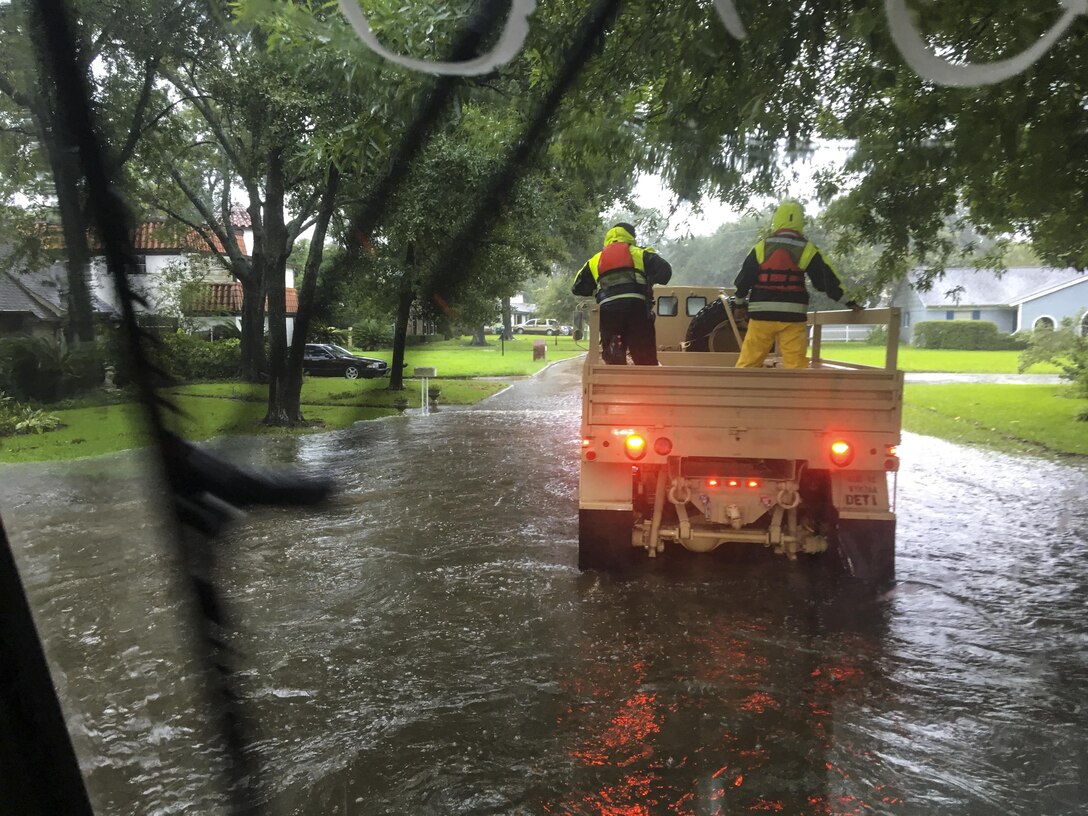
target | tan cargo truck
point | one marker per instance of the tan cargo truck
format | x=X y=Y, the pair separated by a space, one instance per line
x=699 y=454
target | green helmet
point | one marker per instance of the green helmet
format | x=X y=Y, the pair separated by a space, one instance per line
x=789 y=215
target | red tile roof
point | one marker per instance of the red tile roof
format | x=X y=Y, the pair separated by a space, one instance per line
x=226 y=298
x=164 y=237
x=153 y=236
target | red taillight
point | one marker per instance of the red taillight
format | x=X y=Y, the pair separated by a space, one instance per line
x=842 y=453
x=635 y=446
x=662 y=446
x=711 y=482
x=753 y=483
x=733 y=483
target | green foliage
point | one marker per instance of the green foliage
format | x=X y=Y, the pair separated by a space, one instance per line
x=40 y=370
x=323 y=333
x=971 y=335
x=1066 y=347
x=16 y=418
x=372 y=334
x=877 y=337
x=188 y=357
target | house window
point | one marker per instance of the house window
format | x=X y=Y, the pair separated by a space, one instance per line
x=139 y=265
x=906 y=320
x=949 y=315
x=976 y=315
x=1043 y=324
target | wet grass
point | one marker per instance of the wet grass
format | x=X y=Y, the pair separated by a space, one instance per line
x=456 y=358
x=935 y=360
x=1038 y=419
x=218 y=409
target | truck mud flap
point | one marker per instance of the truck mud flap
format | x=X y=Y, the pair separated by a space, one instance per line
x=866 y=549
x=604 y=540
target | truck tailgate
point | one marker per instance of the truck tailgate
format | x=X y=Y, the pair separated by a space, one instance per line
x=866 y=400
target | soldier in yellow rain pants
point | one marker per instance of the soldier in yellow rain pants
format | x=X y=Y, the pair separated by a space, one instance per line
x=772 y=278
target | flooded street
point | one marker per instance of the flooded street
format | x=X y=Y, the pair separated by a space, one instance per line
x=428 y=646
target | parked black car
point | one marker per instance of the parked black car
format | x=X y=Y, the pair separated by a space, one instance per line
x=327 y=360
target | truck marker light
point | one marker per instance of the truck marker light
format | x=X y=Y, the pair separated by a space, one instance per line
x=753 y=483
x=662 y=446
x=711 y=482
x=636 y=446
x=586 y=442
x=734 y=483
x=893 y=450
x=842 y=453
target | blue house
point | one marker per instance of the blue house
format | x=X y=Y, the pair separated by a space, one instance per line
x=1021 y=298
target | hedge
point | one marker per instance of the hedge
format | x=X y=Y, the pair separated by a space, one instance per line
x=968 y=335
x=190 y=357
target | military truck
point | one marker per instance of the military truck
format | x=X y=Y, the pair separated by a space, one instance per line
x=698 y=454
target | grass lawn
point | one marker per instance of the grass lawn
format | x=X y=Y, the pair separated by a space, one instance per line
x=216 y=409
x=456 y=358
x=942 y=360
x=1012 y=418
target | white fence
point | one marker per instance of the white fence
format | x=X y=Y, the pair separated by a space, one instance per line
x=844 y=334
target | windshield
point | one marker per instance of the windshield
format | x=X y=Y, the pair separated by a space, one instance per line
x=340 y=351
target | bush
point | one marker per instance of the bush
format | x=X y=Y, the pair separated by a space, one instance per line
x=372 y=334
x=323 y=333
x=188 y=357
x=967 y=335
x=1065 y=348
x=38 y=369
x=16 y=418
x=878 y=336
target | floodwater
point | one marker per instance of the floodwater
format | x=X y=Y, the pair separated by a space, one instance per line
x=427 y=646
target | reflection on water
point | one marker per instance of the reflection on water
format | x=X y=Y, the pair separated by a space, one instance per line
x=427 y=645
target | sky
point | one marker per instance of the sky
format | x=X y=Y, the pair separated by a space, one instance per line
x=651 y=193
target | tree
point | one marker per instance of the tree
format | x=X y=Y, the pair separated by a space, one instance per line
x=44 y=170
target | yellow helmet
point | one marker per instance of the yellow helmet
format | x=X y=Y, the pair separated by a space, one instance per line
x=789 y=215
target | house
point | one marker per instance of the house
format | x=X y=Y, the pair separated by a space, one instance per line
x=1020 y=298
x=36 y=303
x=171 y=260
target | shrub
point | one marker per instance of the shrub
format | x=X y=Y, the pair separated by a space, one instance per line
x=16 y=418
x=1063 y=346
x=188 y=357
x=39 y=369
x=323 y=333
x=968 y=335
x=878 y=336
x=372 y=334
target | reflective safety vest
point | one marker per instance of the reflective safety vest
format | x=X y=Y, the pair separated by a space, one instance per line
x=783 y=259
x=620 y=272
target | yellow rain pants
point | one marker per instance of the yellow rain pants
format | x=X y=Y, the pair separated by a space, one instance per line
x=792 y=343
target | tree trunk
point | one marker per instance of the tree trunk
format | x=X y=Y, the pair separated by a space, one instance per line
x=80 y=321
x=292 y=391
x=479 y=336
x=400 y=335
x=252 y=340
x=507 y=334
x=276 y=286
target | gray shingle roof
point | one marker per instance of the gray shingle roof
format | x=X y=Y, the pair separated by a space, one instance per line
x=981 y=287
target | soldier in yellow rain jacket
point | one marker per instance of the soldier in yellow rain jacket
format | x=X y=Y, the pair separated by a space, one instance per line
x=622 y=276
x=772 y=278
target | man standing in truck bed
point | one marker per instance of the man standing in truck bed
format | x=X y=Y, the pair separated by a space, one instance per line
x=772 y=278
x=623 y=276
